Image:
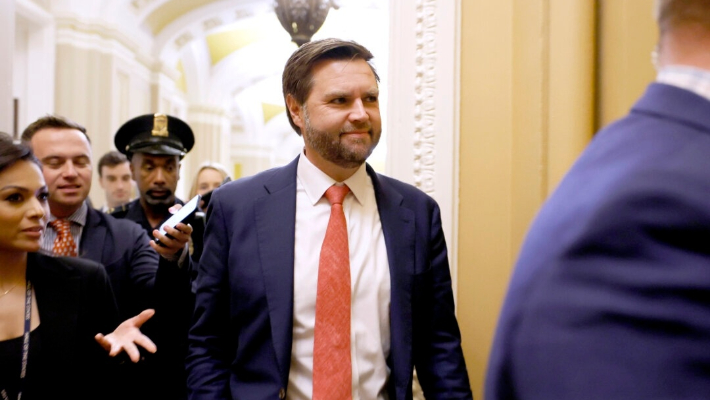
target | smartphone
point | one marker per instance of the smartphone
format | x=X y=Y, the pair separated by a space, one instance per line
x=183 y=215
x=206 y=200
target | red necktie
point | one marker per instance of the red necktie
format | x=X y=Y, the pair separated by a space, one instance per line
x=332 y=368
x=64 y=244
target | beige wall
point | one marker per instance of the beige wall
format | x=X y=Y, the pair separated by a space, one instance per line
x=529 y=102
x=100 y=84
x=627 y=37
x=86 y=101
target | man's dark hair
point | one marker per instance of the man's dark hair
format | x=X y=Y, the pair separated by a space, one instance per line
x=51 y=121
x=674 y=13
x=111 y=159
x=297 y=79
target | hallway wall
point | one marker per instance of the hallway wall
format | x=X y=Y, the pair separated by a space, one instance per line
x=531 y=91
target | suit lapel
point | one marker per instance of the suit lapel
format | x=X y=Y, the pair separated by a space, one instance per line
x=275 y=215
x=399 y=231
x=92 y=237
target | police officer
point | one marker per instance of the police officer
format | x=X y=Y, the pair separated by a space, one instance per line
x=155 y=144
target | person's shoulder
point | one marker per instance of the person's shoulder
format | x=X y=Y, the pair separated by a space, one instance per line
x=256 y=181
x=69 y=266
x=397 y=184
x=408 y=191
x=117 y=223
x=121 y=211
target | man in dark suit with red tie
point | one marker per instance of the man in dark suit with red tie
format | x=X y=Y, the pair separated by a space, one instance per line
x=610 y=298
x=323 y=279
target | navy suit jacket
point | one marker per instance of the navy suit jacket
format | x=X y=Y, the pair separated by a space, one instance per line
x=610 y=298
x=240 y=342
x=142 y=279
x=132 y=265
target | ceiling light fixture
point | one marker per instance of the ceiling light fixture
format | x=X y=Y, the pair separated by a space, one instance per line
x=302 y=18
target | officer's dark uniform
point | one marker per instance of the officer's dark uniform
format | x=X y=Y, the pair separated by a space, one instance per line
x=163 y=373
x=134 y=212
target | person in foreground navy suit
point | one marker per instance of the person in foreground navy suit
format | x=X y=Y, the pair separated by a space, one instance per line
x=610 y=297
x=255 y=315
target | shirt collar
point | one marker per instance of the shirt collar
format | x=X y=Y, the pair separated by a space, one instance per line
x=315 y=182
x=685 y=77
x=78 y=217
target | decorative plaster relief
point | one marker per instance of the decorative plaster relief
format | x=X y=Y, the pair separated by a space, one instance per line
x=243 y=13
x=212 y=23
x=139 y=5
x=425 y=102
x=183 y=39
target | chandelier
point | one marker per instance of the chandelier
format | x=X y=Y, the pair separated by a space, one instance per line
x=303 y=18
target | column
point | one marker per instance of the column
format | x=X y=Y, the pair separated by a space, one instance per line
x=7 y=49
x=211 y=127
x=527 y=110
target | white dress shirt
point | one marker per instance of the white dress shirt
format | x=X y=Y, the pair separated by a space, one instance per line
x=370 y=282
x=685 y=77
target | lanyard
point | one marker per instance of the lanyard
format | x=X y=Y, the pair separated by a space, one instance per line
x=25 y=342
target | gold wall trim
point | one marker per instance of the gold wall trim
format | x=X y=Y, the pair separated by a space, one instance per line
x=527 y=106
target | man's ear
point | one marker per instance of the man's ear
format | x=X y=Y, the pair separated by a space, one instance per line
x=295 y=109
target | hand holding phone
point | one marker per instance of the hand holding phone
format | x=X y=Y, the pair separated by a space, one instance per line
x=183 y=215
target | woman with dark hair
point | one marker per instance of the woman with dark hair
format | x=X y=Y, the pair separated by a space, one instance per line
x=52 y=310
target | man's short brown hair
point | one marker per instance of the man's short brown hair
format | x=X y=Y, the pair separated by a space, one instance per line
x=297 y=77
x=111 y=159
x=674 y=13
x=51 y=121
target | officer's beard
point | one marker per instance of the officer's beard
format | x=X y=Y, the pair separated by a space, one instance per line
x=166 y=200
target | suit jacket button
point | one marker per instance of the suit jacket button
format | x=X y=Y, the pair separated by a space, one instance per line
x=282 y=393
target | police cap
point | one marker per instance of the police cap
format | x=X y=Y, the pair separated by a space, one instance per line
x=158 y=134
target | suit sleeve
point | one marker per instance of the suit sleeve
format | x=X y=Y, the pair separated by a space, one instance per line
x=211 y=348
x=143 y=265
x=615 y=306
x=101 y=316
x=438 y=357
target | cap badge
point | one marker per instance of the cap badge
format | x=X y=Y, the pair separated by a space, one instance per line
x=160 y=125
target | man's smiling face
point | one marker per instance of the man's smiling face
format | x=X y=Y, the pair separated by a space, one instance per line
x=65 y=155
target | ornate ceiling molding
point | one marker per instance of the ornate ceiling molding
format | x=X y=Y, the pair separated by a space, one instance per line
x=200 y=22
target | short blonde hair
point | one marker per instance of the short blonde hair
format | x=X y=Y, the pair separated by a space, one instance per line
x=208 y=165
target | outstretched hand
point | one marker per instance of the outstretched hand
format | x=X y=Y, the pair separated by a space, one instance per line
x=127 y=337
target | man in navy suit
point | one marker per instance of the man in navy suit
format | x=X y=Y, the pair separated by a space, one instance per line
x=140 y=278
x=610 y=298
x=257 y=285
